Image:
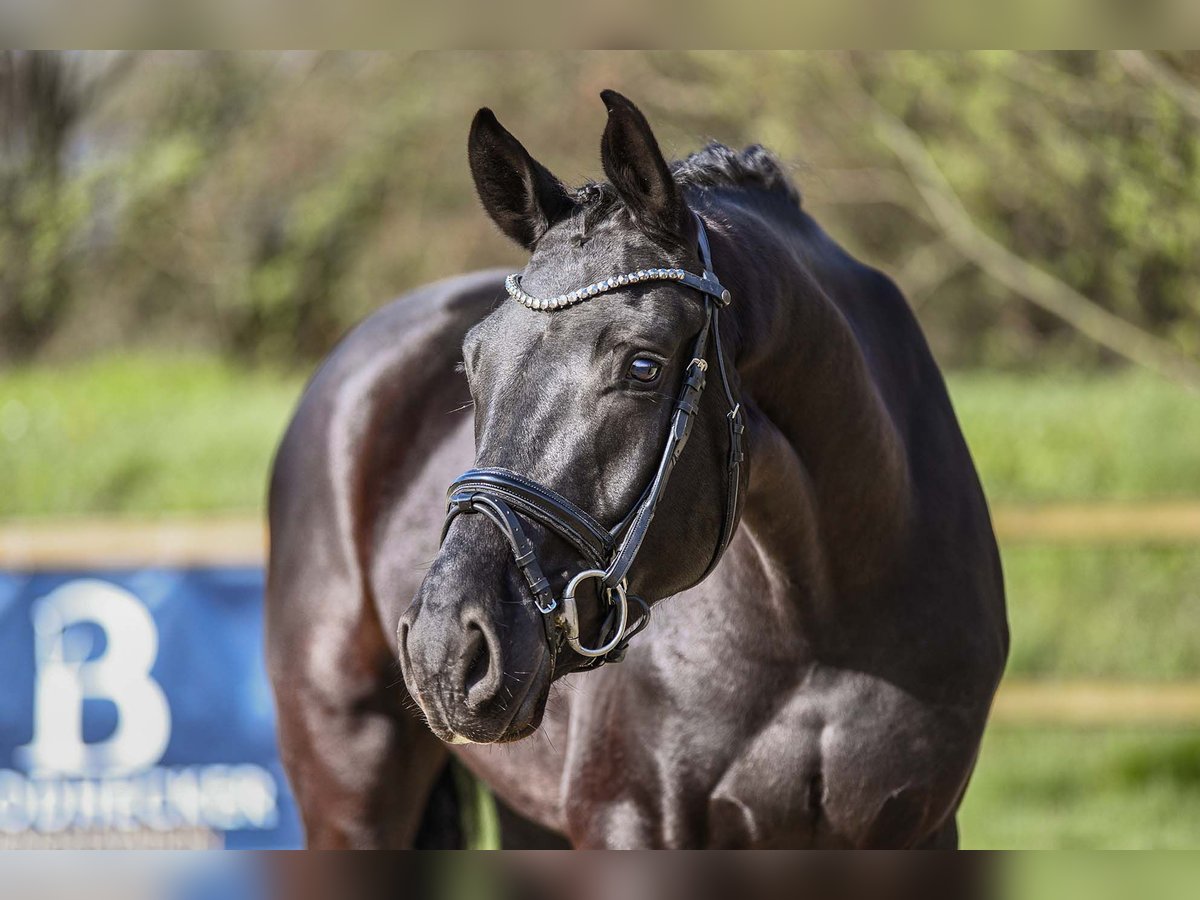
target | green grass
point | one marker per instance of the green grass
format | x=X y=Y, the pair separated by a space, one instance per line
x=138 y=435
x=1095 y=876
x=1106 y=612
x=148 y=435
x=1076 y=788
x=1117 y=437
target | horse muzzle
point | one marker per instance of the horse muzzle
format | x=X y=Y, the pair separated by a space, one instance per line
x=477 y=679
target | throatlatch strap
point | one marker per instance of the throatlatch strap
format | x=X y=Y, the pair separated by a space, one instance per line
x=737 y=429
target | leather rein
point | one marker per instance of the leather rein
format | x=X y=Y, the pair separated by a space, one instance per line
x=502 y=496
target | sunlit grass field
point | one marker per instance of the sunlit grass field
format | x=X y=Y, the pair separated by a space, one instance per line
x=1110 y=788
x=1130 y=436
x=149 y=436
x=139 y=435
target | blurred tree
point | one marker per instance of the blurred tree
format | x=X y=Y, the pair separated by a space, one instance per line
x=44 y=98
x=260 y=204
x=40 y=104
x=1063 y=160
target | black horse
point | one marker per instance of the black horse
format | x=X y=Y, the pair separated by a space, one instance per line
x=826 y=684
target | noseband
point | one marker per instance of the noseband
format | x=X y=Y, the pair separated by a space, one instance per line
x=499 y=494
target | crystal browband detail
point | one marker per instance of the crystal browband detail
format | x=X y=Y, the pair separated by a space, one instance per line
x=512 y=284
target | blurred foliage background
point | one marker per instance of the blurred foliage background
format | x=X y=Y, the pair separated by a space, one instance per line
x=184 y=234
x=256 y=205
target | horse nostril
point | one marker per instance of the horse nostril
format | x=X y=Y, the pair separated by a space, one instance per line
x=481 y=681
x=478 y=666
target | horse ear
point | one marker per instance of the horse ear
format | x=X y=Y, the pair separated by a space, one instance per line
x=517 y=191
x=636 y=167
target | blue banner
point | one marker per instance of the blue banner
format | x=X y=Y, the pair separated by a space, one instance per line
x=136 y=712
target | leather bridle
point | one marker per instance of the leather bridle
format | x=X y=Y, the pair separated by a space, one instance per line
x=500 y=494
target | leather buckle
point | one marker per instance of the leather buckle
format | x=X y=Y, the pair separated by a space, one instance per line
x=695 y=377
x=737 y=419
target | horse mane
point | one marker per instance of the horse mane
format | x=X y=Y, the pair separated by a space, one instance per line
x=714 y=166
x=720 y=166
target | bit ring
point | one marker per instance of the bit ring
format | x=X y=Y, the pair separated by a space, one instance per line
x=570 y=614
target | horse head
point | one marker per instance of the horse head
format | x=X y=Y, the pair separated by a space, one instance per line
x=587 y=385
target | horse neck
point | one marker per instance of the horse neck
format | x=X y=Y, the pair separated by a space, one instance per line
x=830 y=499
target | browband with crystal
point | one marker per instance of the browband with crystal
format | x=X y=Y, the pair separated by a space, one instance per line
x=512 y=284
x=706 y=284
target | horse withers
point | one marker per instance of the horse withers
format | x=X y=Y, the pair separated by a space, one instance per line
x=720 y=572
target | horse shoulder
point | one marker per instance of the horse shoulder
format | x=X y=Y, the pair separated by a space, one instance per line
x=355 y=756
x=354 y=424
x=847 y=761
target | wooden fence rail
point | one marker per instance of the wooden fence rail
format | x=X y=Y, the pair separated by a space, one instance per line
x=116 y=543
x=241 y=539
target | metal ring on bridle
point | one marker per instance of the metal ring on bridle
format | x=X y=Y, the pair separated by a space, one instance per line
x=570 y=614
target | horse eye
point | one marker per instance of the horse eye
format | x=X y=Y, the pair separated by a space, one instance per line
x=644 y=370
